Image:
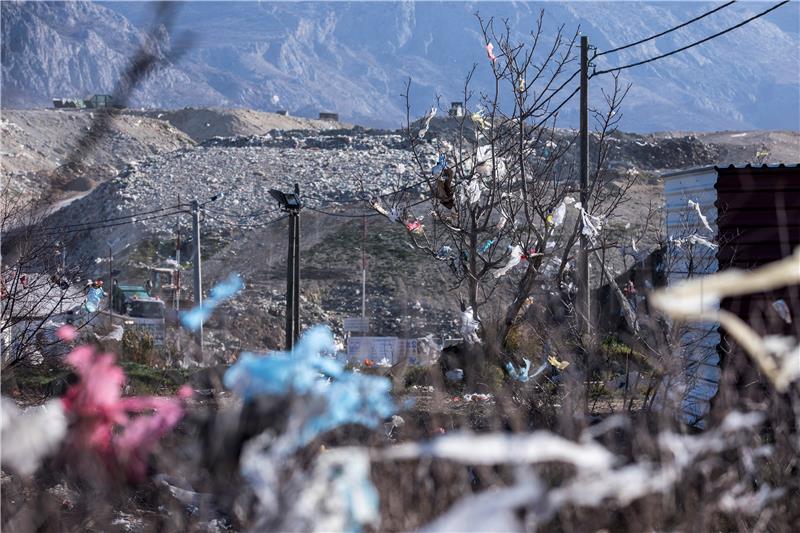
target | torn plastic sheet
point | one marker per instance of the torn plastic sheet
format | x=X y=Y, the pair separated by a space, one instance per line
x=415 y=227
x=561 y=212
x=195 y=317
x=444 y=252
x=441 y=164
x=505 y=218
x=392 y=214
x=486 y=165
x=592 y=225
x=427 y=122
x=519 y=374
x=488 y=244
x=31 y=435
x=478 y=120
x=782 y=309
x=693 y=239
x=471 y=192
x=335 y=396
x=469 y=326
x=694 y=205
x=490 y=52
x=340 y=495
x=102 y=416
x=94 y=296
x=514 y=259
x=555 y=363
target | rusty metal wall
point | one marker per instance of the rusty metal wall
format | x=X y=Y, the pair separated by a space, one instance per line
x=759 y=222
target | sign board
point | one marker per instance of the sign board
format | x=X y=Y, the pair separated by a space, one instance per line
x=375 y=348
x=357 y=325
x=393 y=349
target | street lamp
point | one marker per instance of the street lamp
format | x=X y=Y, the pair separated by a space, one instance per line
x=291 y=204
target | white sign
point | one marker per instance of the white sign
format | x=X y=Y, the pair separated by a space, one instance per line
x=393 y=349
x=359 y=325
x=375 y=348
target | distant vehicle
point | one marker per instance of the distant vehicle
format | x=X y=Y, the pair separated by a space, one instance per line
x=141 y=310
x=122 y=295
x=164 y=283
x=148 y=314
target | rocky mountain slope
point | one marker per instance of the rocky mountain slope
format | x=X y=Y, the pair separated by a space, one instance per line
x=354 y=58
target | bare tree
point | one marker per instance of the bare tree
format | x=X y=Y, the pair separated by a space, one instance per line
x=37 y=287
x=500 y=214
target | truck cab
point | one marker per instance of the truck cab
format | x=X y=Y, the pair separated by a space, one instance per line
x=147 y=313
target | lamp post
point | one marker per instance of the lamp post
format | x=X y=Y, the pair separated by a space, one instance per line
x=291 y=204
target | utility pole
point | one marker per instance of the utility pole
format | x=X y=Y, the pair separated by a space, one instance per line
x=110 y=287
x=295 y=215
x=364 y=272
x=290 y=203
x=584 y=303
x=176 y=280
x=198 y=274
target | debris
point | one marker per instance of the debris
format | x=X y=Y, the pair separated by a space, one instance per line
x=469 y=326
x=415 y=227
x=396 y=421
x=456 y=374
x=30 y=436
x=427 y=122
x=478 y=120
x=441 y=164
x=490 y=52
x=225 y=290
x=694 y=205
x=514 y=259
x=341 y=397
x=103 y=422
x=555 y=363
x=444 y=189
x=520 y=374
x=783 y=310
x=471 y=192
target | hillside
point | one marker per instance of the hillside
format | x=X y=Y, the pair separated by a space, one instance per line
x=34 y=143
x=331 y=166
x=203 y=124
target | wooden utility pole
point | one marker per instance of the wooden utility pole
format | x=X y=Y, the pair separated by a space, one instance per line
x=110 y=287
x=198 y=274
x=364 y=272
x=584 y=301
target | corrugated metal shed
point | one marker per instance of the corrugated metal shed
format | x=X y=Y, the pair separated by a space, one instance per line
x=697 y=344
x=754 y=218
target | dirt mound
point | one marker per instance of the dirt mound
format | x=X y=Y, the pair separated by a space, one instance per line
x=35 y=144
x=203 y=124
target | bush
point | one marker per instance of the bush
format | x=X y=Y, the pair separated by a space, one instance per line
x=138 y=346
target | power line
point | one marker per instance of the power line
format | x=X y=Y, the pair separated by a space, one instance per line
x=657 y=35
x=133 y=221
x=723 y=32
x=342 y=215
x=112 y=219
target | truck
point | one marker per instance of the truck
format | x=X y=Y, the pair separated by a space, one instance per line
x=139 y=309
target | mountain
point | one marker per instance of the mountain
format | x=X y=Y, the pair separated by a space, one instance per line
x=355 y=57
